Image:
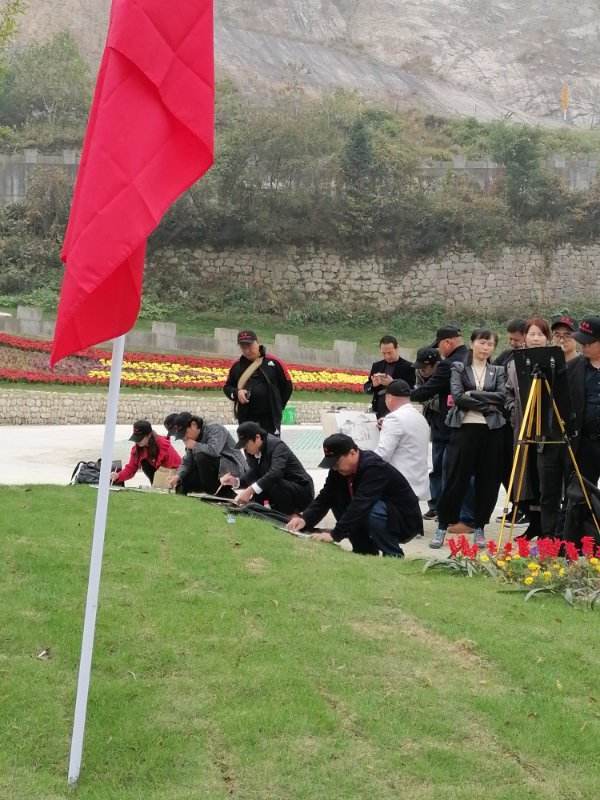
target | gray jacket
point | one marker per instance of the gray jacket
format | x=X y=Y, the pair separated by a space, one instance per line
x=489 y=401
x=216 y=441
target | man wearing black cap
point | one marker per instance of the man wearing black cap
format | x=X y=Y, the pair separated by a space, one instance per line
x=390 y=368
x=209 y=453
x=258 y=384
x=404 y=439
x=373 y=504
x=425 y=363
x=450 y=344
x=563 y=327
x=273 y=472
x=584 y=386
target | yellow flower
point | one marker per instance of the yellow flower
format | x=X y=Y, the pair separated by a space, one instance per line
x=484 y=557
x=501 y=564
x=507 y=558
x=533 y=566
x=516 y=556
x=547 y=575
x=561 y=571
x=597 y=568
x=594 y=561
x=528 y=580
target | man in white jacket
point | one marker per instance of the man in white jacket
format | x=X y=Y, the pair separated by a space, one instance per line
x=404 y=440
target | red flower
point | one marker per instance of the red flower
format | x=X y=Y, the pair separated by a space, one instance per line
x=549 y=547
x=571 y=551
x=588 y=546
x=523 y=547
x=455 y=546
x=507 y=549
x=492 y=547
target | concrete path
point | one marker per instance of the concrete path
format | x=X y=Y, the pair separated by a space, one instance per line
x=48 y=454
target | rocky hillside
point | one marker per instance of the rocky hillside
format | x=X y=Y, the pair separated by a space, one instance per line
x=487 y=58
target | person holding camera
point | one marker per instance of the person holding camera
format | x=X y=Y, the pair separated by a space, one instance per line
x=475 y=419
x=391 y=368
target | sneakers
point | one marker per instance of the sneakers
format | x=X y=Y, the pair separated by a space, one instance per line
x=479 y=538
x=431 y=514
x=438 y=539
x=520 y=519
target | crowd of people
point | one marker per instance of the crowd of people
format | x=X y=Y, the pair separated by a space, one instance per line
x=464 y=402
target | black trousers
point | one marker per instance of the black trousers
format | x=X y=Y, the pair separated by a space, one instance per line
x=552 y=467
x=288 y=497
x=148 y=470
x=478 y=453
x=262 y=418
x=203 y=477
x=588 y=459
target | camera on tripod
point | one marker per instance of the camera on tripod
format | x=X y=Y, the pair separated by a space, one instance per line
x=546 y=366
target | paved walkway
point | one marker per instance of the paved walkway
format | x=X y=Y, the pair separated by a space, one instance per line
x=47 y=455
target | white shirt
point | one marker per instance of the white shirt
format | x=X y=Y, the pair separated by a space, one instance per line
x=404 y=443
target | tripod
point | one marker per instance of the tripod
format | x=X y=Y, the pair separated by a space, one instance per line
x=531 y=417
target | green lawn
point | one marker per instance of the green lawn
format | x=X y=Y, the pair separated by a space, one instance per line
x=233 y=661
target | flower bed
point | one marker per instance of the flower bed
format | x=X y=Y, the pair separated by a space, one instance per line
x=27 y=360
x=549 y=565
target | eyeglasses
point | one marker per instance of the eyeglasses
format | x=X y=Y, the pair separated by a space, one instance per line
x=562 y=336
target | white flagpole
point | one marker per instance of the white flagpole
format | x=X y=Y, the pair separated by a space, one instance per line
x=91 y=606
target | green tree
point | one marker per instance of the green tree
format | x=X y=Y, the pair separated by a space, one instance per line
x=48 y=83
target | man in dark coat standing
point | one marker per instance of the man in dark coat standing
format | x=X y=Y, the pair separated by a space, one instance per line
x=391 y=368
x=584 y=388
x=449 y=342
x=274 y=473
x=373 y=504
x=258 y=384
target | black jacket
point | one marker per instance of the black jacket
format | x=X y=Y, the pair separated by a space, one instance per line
x=215 y=441
x=375 y=480
x=271 y=380
x=277 y=462
x=402 y=369
x=439 y=384
x=489 y=401
x=576 y=377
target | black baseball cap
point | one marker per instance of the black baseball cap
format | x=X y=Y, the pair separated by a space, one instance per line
x=565 y=320
x=335 y=446
x=170 y=423
x=182 y=423
x=141 y=428
x=245 y=337
x=247 y=431
x=446 y=332
x=589 y=330
x=426 y=355
x=398 y=388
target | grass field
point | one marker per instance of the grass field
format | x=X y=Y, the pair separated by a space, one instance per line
x=233 y=661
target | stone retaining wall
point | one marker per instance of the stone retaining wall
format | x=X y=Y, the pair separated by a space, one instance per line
x=23 y=407
x=508 y=281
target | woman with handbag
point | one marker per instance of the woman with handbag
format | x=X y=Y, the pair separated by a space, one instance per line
x=476 y=419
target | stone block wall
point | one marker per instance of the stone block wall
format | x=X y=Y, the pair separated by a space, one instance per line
x=24 y=407
x=506 y=281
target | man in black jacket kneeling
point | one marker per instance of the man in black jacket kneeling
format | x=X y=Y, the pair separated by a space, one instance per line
x=274 y=473
x=373 y=504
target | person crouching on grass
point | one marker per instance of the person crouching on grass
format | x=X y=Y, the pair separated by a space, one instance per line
x=373 y=504
x=274 y=473
x=149 y=452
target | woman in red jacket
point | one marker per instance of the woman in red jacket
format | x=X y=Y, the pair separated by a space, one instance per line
x=149 y=452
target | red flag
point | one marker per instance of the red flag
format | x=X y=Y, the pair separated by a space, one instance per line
x=149 y=137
